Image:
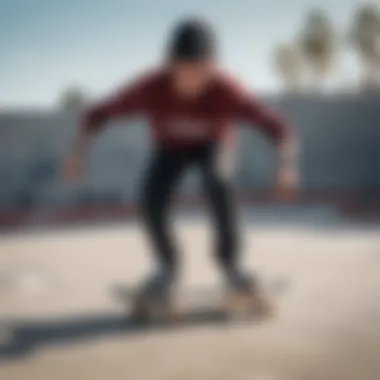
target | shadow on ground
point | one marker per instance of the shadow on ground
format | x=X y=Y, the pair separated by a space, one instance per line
x=27 y=336
x=204 y=308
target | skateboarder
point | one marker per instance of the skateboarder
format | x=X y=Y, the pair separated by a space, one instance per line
x=190 y=105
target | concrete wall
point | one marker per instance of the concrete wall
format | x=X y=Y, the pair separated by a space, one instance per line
x=340 y=151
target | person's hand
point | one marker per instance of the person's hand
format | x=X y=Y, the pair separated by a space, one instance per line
x=286 y=184
x=73 y=167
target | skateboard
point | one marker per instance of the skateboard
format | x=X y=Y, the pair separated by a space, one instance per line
x=198 y=304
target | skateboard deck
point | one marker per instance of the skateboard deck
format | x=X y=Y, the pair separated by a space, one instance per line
x=197 y=304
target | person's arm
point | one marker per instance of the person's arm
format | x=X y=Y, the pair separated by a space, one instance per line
x=247 y=108
x=131 y=99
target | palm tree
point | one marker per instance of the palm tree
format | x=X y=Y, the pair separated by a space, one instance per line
x=288 y=63
x=365 y=37
x=318 y=40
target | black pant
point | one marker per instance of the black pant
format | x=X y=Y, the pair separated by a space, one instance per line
x=163 y=174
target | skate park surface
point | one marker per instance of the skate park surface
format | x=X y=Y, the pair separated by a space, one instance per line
x=59 y=319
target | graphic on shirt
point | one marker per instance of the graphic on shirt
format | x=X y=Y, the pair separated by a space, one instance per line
x=188 y=128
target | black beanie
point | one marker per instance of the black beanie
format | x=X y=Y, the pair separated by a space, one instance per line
x=192 y=40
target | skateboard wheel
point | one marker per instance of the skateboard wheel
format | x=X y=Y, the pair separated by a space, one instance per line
x=150 y=309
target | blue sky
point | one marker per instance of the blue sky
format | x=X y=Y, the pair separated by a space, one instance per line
x=46 y=45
